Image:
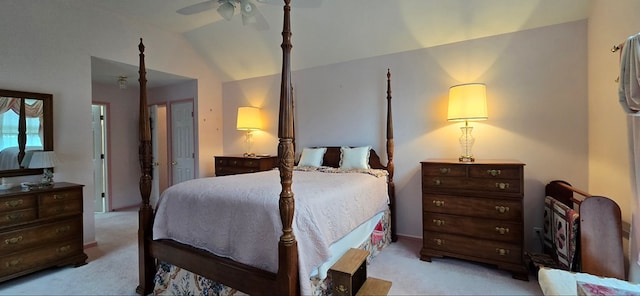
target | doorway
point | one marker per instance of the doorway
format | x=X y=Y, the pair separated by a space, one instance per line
x=100 y=156
x=159 y=147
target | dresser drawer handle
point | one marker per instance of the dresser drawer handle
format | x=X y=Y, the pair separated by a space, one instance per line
x=502 y=230
x=14 y=203
x=437 y=182
x=494 y=172
x=59 y=196
x=14 y=217
x=13 y=262
x=438 y=222
x=438 y=203
x=438 y=241
x=235 y=162
x=444 y=171
x=502 y=252
x=63 y=229
x=342 y=289
x=64 y=249
x=502 y=186
x=13 y=240
x=502 y=209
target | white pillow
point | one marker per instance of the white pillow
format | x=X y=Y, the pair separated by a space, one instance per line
x=312 y=157
x=354 y=158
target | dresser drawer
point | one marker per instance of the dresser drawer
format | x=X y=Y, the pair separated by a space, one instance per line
x=60 y=203
x=11 y=204
x=31 y=237
x=443 y=170
x=17 y=217
x=473 y=247
x=497 y=185
x=35 y=258
x=474 y=227
x=494 y=208
x=495 y=172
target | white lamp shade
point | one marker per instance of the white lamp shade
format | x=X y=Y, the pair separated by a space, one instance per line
x=467 y=102
x=249 y=118
x=42 y=160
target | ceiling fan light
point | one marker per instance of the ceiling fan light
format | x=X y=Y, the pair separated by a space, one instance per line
x=247 y=8
x=226 y=10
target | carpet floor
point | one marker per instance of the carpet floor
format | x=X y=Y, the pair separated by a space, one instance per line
x=112 y=269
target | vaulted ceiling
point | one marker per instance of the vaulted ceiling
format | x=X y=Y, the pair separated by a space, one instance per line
x=334 y=31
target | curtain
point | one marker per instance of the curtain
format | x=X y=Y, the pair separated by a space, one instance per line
x=629 y=98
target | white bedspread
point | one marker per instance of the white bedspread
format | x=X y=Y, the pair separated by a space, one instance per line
x=238 y=217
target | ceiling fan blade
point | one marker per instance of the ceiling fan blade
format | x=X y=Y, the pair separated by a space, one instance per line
x=197 y=8
x=260 y=22
x=295 y=3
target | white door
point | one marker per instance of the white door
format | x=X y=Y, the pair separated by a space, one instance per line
x=98 y=113
x=182 y=142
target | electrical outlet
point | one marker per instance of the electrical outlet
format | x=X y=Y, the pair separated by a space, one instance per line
x=537 y=230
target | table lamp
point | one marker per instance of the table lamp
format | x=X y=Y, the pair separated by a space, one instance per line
x=249 y=120
x=467 y=102
x=43 y=160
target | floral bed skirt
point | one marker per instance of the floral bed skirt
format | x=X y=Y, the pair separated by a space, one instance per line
x=173 y=280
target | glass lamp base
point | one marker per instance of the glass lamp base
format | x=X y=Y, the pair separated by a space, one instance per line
x=466 y=159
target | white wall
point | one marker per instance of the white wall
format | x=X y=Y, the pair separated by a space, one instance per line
x=47 y=47
x=610 y=23
x=537 y=100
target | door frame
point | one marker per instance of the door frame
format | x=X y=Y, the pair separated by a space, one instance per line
x=107 y=152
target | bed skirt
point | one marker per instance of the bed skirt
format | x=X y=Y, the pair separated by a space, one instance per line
x=173 y=280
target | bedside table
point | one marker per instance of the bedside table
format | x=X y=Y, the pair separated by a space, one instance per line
x=231 y=165
x=474 y=211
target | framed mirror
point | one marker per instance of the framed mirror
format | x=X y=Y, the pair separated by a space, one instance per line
x=26 y=123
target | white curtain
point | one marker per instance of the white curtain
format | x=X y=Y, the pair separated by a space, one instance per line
x=629 y=97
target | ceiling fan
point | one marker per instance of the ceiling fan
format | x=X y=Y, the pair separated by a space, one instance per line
x=248 y=10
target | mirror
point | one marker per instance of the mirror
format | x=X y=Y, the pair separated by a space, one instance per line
x=26 y=123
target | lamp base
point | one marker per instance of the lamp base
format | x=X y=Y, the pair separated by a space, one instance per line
x=247 y=154
x=466 y=159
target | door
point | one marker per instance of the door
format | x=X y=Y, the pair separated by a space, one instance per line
x=100 y=181
x=182 y=142
x=155 y=180
x=158 y=117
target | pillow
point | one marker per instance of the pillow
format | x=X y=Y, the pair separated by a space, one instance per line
x=354 y=158
x=312 y=157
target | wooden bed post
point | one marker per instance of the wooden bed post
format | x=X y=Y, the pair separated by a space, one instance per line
x=287 y=277
x=390 y=165
x=146 y=263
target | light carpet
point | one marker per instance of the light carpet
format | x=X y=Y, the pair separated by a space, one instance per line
x=113 y=269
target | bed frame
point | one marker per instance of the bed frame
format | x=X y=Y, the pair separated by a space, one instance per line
x=242 y=277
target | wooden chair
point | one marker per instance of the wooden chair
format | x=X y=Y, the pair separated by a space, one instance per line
x=601 y=237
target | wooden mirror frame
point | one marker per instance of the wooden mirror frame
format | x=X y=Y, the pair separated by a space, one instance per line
x=47 y=127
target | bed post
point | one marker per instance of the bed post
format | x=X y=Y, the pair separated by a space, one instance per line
x=287 y=277
x=146 y=266
x=390 y=165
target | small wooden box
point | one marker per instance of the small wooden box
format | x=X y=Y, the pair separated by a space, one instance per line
x=350 y=272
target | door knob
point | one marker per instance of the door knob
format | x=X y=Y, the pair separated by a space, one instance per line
x=174 y=162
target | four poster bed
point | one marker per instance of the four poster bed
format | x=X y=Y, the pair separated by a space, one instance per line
x=267 y=249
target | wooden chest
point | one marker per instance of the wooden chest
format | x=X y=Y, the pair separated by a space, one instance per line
x=349 y=273
x=474 y=211
x=231 y=165
x=40 y=228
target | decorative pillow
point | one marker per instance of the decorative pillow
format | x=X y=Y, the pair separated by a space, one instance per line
x=354 y=158
x=312 y=157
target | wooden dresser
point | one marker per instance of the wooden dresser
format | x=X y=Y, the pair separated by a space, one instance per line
x=474 y=211
x=231 y=165
x=40 y=228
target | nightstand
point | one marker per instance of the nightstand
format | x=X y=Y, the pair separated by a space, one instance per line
x=231 y=165
x=474 y=211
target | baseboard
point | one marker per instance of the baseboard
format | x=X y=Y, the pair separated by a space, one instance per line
x=90 y=245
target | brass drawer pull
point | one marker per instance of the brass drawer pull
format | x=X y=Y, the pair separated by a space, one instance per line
x=438 y=203
x=13 y=262
x=59 y=196
x=502 y=252
x=438 y=241
x=437 y=182
x=14 y=203
x=444 y=171
x=13 y=240
x=438 y=222
x=494 y=173
x=14 y=217
x=63 y=229
x=64 y=249
x=502 y=209
x=342 y=289
x=502 y=230
x=502 y=186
